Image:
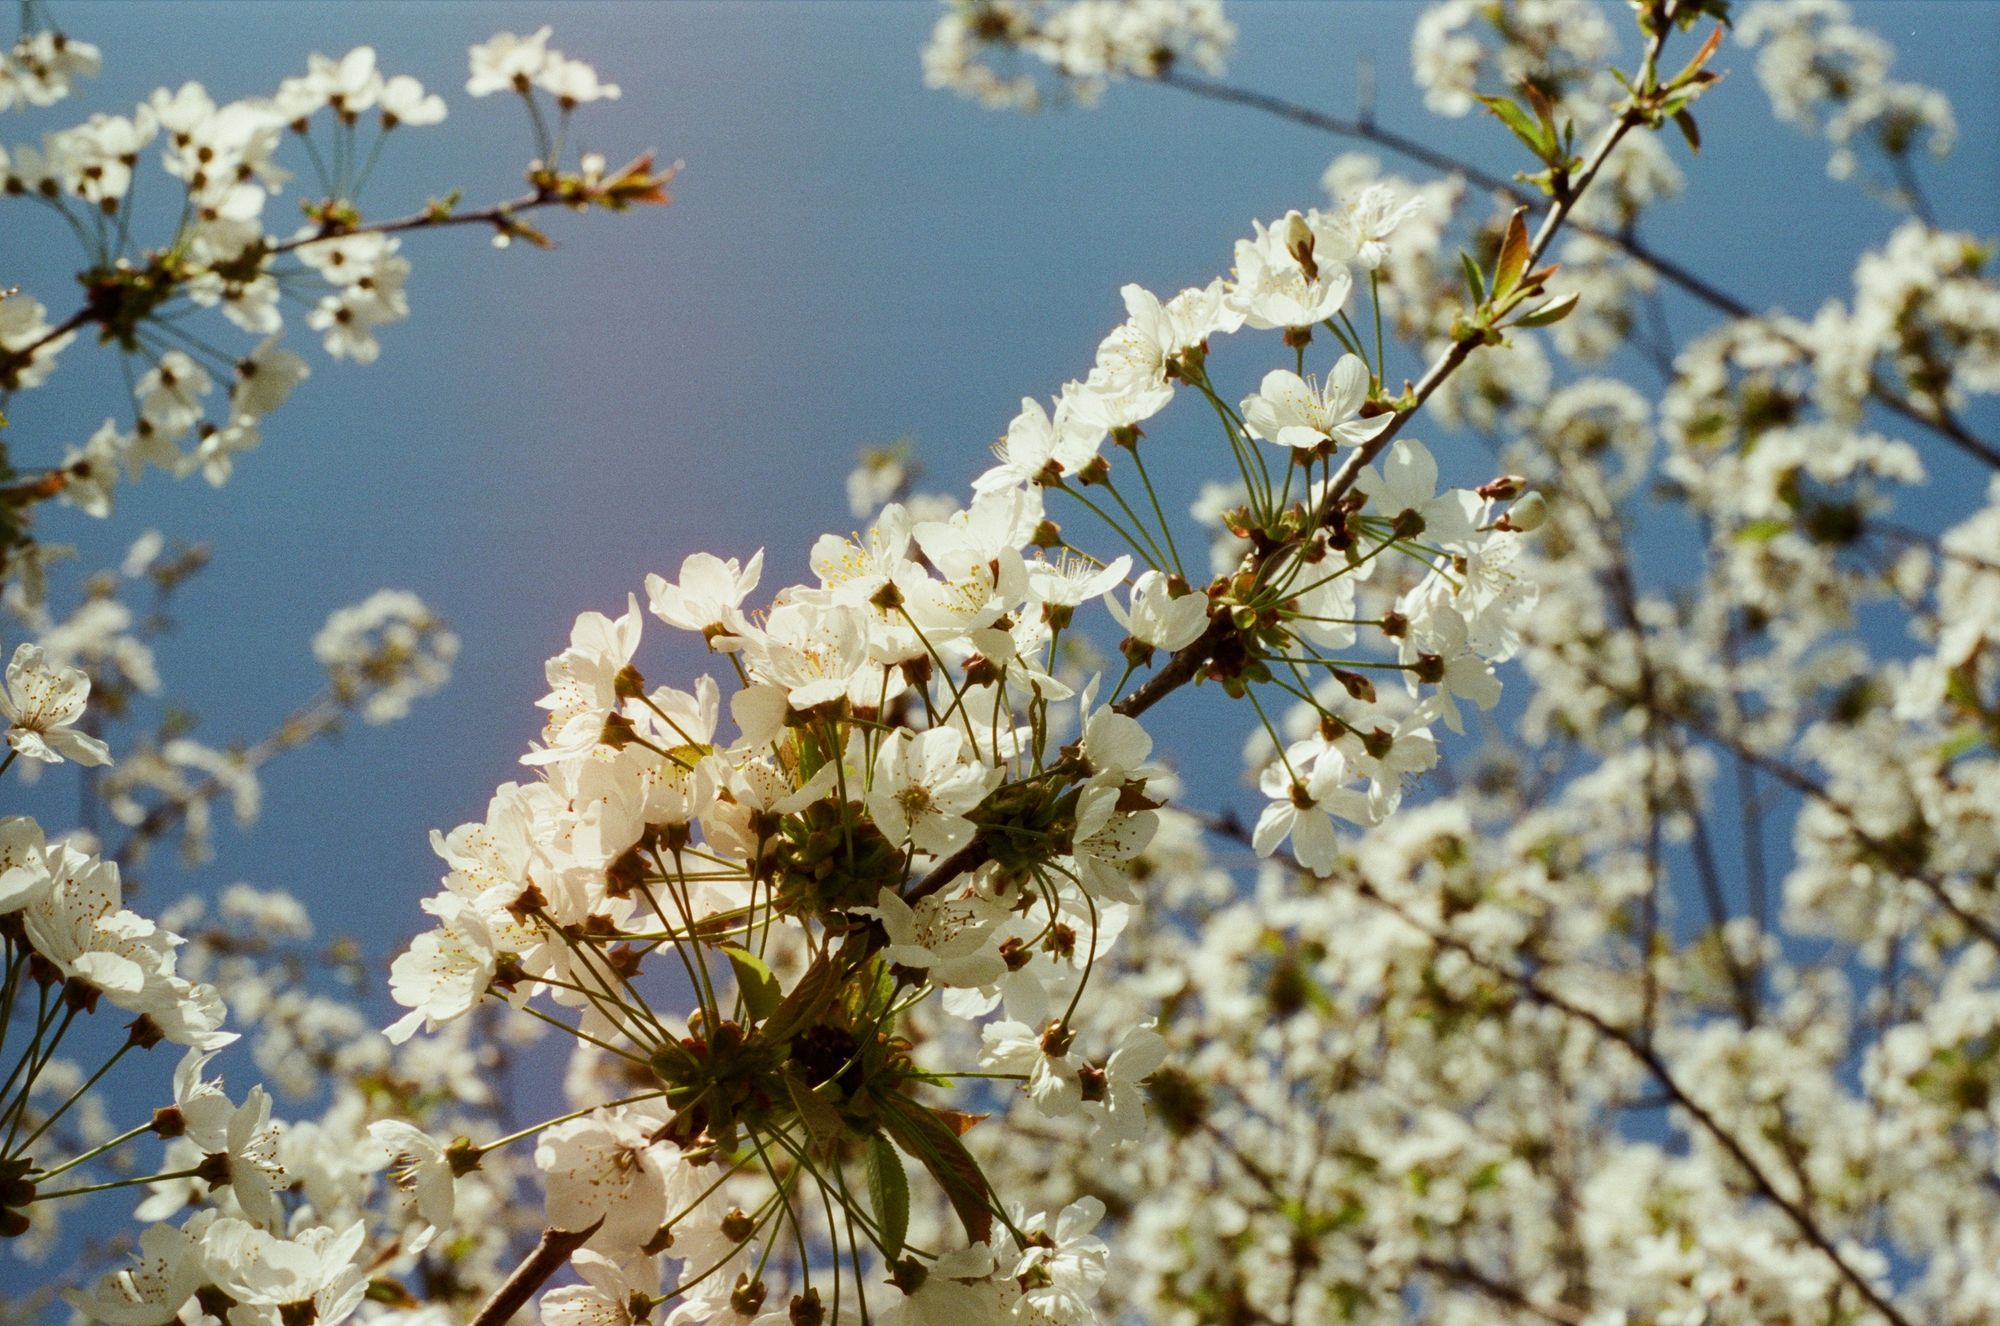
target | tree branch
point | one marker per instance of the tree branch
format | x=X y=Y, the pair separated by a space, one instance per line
x=551 y=1254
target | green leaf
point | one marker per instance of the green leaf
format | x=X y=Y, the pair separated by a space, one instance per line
x=889 y=1194
x=1685 y=122
x=1545 y=112
x=804 y=1005
x=1523 y=126
x=1554 y=311
x=821 y=1119
x=1473 y=280
x=1701 y=58
x=1513 y=261
x=753 y=978
x=932 y=1142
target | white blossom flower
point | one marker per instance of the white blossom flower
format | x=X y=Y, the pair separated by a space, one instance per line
x=205 y=1110
x=949 y=939
x=1060 y=1280
x=508 y=63
x=255 y=1174
x=1406 y=481
x=1054 y=1080
x=420 y=1165
x=445 y=971
x=607 y=1296
x=41 y=702
x=1292 y=273
x=572 y=82
x=1302 y=809
x=604 y=1166
x=1120 y=1115
x=316 y=1274
x=24 y=869
x=1299 y=413
x=404 y=101
x=923 y=786
x=584 y=683
x=166 y=1272
x=957 y=1290
x=709 y=596
x=1159 y=617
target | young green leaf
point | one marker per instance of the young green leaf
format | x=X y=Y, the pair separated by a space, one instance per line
x=754 y=979
x=1554 y=311
x=938 y=1150
x=802 y=1007
x=1523 y=126
x=821 y=1119
x=1688 y=130
x=1513 y=255
x=888 y=1193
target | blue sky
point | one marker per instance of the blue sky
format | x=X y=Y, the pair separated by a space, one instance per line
x=849 y=258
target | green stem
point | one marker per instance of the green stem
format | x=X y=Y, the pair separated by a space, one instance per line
x=42 y=1176
x=193 y=1172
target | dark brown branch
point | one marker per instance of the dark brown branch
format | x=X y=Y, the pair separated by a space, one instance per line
x=550 y=1255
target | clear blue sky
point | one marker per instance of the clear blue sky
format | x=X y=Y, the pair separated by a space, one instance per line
x=850 y=257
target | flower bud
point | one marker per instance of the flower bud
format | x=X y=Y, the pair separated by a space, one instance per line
x=1524 y=516
x=1503 y=489
x=1299 y=243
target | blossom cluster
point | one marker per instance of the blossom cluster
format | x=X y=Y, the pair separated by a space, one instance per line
x=1826 y=74
x=225 y=255
x=887 y=937
x=904 y=787
x=1679 y=1006
x=991 y=50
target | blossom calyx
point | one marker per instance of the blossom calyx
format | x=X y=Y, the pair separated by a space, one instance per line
x=463 y=1156
x=748 y=1295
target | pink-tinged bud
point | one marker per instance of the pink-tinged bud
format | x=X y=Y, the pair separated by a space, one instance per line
x=1357 y=686
x=1503 y=489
